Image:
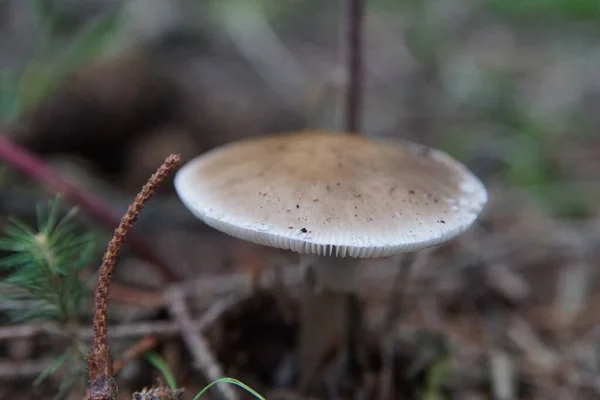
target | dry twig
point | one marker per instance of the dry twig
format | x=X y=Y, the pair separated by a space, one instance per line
x=147 y=343
x=354 y=60
x=103 y=385
x=238 y=285
x=203 y=358
x=11 y=370
x=160 y=329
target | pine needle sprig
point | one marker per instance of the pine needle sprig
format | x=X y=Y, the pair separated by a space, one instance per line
x=45 y=264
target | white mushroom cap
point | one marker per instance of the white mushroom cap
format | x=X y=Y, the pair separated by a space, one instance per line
x=330 y=193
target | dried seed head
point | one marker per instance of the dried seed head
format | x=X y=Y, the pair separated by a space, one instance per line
x=158 y=393
x=103 y=386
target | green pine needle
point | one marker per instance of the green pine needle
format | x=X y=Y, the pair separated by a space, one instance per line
x=46 y=263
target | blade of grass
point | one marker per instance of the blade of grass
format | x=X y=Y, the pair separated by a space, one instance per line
x=29 y=79
x=160 y=364
x=230 y=381
x=42 y=76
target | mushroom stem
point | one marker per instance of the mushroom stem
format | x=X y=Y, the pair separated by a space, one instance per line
x=332 y=274
x=326 y=317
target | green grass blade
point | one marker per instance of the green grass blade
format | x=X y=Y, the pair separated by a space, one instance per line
x=93 y=39
x=160 y=364
x=36 y=78
x=437 y=374
x=233 y=382
x=43 y=76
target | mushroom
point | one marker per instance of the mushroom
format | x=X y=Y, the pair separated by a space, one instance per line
x=335 y=198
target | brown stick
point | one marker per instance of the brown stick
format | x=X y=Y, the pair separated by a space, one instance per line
x=11 y=370
x=144 y=298
x=27 y=163
x=204 y=360
x=145 y=344
x=103 y=385
x=354 y=65
x=158 y=329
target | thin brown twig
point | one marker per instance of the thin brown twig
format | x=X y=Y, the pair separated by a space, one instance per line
x=354 y=65
x=145 y=298
x=127 y=294
x=237 y=285
x=204 y=360
x=29 y=164
x=28 y=331
x=145 y=344
x=208 y=289
x=158 y=329
x=11 y=369
x=103 y=385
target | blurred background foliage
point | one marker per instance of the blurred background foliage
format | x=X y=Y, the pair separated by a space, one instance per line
x=51 y=61
x=510 y=84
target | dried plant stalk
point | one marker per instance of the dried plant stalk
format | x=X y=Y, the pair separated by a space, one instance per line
x=103 y=385
x=354 y=22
